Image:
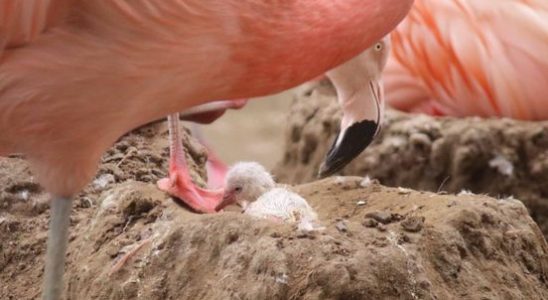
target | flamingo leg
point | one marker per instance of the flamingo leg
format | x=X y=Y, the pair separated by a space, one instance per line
x=215 y=167
x=56 y=248
x=179 y=183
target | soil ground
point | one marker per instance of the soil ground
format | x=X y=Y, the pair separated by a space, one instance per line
x=379 y=242
x=497 y=157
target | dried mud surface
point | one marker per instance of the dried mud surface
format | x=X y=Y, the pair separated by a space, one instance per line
x=379 y=242
x=497 y=157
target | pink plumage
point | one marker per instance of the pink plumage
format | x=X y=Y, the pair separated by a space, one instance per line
x=471 y=58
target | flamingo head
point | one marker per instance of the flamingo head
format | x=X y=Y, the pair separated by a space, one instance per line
x=361 y=95
x=245 y=182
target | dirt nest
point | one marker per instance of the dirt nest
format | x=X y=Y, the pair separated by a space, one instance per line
x=139 y=157
x=498 y=157
x=379 y=242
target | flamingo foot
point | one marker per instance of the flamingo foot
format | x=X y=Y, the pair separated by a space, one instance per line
x=180 y=185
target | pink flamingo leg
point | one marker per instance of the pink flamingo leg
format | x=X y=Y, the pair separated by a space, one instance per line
x=179 y=183
x=215 y=167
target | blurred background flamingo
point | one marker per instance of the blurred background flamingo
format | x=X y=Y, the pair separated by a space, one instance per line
x=471 y=58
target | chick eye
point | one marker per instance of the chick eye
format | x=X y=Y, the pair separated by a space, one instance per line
x=378 y=46
x=238 y=189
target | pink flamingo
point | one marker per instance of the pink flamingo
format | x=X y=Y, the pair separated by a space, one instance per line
x=471 y=58
x=451 y=57
x=75 y=75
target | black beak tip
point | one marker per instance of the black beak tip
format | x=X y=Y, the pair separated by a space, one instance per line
x=356 y=138
x=325 y=171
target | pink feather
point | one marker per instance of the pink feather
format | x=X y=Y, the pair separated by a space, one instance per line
x=471 y=58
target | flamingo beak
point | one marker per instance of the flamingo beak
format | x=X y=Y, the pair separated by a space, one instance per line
x=356 y=133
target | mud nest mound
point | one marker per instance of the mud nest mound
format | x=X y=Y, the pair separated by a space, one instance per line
x=497 y=157
x=379 y=242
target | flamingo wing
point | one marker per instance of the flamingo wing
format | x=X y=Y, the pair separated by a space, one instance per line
x=466 y=57
x=21 y=21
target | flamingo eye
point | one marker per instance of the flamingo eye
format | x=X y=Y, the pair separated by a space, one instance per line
x=378 y=46
x=238 y=189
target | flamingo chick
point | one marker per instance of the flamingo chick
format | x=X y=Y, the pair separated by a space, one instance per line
x=75 y=75
x=284 y=206
x=360 y=94
x=250 y=186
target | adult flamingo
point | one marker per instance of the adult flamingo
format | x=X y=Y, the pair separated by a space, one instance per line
x=75 y=74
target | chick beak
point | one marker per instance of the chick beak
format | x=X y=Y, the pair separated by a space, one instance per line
x=229 y=198
x=362 y=117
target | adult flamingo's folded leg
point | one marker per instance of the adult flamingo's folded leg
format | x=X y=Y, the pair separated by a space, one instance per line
x=206 y=114
x=179 y=182
x=215 y=167
x=209 y=112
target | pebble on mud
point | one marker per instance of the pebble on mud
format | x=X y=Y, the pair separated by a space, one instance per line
x=341 y=226
x=383 y=217
x=370 y=223
x=413 y=224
